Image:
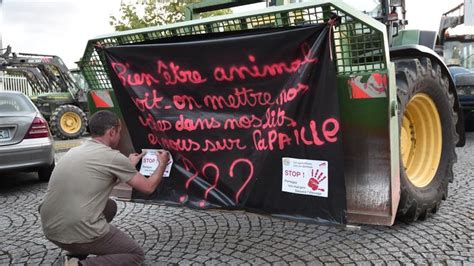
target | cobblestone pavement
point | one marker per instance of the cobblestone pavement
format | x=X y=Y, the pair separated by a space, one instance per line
x=177 y=235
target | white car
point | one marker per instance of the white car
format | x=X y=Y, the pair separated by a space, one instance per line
x=26 y=143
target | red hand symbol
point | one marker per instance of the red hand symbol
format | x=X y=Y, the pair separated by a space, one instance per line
x=314 y=183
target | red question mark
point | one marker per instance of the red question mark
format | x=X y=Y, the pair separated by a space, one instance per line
x=231 y=173
x=188 y=165
x=216 y=178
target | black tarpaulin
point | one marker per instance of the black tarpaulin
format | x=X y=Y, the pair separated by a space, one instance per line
x=251 y=119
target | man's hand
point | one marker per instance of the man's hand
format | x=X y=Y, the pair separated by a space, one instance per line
x=163 y=156
x=148 y=185
x=135 y=158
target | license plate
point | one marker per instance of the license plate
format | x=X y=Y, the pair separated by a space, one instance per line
x=4 y=134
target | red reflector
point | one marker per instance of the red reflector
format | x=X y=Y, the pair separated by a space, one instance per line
x=38 y=129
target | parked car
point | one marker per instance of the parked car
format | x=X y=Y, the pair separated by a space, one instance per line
x=26 y=143
x=464 y=81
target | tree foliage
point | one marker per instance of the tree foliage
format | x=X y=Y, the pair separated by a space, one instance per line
x=153 y=13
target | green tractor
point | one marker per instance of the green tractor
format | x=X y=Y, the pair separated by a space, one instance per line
x=56 y=92
x=399 y=149
x=454 y=41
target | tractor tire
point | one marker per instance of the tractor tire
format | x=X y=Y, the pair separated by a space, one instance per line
x=428 y=137
x=68 y=122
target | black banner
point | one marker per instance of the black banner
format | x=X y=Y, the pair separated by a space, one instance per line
x=251 y=119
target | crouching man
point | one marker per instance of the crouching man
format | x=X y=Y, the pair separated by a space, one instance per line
x=76 y=210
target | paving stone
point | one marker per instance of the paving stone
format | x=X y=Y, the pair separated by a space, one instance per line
x=172 y=235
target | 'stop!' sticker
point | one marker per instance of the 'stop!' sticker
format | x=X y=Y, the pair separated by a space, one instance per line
x=150 y=163
x=307 y=177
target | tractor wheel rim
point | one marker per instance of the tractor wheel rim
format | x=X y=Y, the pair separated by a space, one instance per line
x=421 y=140
x=70 y=122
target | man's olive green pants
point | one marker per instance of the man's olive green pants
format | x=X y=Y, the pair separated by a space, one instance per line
x=114 y=248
